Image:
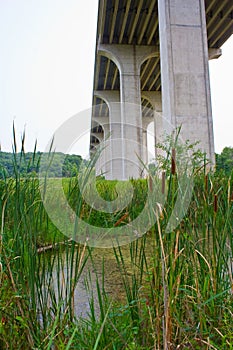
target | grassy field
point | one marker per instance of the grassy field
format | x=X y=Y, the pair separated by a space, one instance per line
x=177 y=285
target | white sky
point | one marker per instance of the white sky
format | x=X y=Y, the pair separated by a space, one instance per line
x=47 y=53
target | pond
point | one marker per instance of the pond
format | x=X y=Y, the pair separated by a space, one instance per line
x=101 y=265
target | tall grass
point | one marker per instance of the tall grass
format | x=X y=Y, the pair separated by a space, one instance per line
x=184 y=278
x=176 y=284
x=37 y=299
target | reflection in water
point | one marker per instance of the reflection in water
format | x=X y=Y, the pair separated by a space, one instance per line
x=101 y=264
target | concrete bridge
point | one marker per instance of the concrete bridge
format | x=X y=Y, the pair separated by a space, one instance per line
x=152 y=65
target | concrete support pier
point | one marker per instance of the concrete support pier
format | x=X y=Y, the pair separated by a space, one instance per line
x=184 y=70
x=155 y=99
x=128 y=138
x=113 y=144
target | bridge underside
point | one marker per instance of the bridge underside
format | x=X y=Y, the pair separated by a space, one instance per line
x=152 y=65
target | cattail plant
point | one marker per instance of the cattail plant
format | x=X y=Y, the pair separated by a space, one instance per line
x=173 y=162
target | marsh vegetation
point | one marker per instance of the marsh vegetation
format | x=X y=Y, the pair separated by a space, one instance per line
x=166 y=290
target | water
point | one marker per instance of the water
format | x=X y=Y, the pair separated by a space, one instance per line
x=102 y=264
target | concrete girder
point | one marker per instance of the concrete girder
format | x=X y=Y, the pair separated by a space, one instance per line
x=113 y=21
x=145 y=24
x=219 y=32
x=215 y=27
x=94 y=139
x=107 y=71
x=124 y=21
x=101 y=16
x=103 y=121
x=155 y=99
x=97 y=69
x=114 y=78
x=152 y=32
x=148 y=76
x=220 y=6
x=108 y=97
x=99 y=136
x=100 y=108
x=134 y=24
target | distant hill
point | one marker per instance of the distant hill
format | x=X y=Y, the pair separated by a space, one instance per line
x=28 y=163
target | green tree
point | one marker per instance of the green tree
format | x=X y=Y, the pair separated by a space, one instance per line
x=224 y=161
x=28 y=163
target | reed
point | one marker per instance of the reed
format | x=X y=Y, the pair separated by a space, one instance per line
x=180 y=287
x=37 y=297
x=176 y=283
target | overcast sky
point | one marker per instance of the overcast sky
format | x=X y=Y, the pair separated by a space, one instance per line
x=46 y=70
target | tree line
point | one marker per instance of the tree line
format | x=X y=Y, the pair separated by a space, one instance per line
x=29 y=163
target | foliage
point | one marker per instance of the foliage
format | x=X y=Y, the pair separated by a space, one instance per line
x=224 y=161
x=184 y=155
x=29 y=163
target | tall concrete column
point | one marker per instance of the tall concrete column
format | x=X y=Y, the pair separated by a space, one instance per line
x=103 y=163
x=100 y=164
x=113 y=143
x=107 y=152
x=184 y=70
x=145 y=122
x=128 y=59
x=131 y=115
x=155 y=99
